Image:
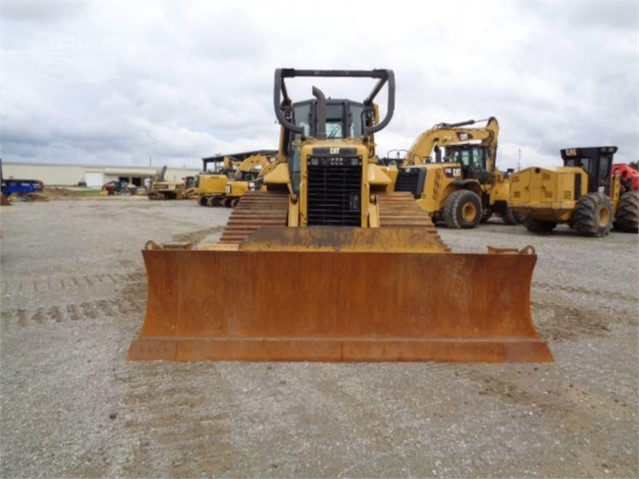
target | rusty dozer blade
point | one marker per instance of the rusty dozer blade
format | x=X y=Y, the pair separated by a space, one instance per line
x=267 y=300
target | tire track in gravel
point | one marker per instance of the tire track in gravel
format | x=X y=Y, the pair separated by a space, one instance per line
x=607 y=295
x=68 y=283
x=178 y=426
x=570 y=322
x=15 y=319
x=131 y=300
x=573 y=318
x=572 y=409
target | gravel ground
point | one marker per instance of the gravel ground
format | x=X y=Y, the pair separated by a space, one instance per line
x=73 y=299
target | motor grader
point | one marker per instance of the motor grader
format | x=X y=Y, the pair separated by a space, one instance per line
x=462 y=187
x=332 y=266
x=582 y=193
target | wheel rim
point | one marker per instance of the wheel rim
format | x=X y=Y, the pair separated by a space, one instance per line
x=604 y=217
x=469 y=212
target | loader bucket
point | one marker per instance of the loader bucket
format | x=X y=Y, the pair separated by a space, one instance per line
x=317 y=304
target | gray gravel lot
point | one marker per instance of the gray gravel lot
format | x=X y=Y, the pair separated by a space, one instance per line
x=73 y=299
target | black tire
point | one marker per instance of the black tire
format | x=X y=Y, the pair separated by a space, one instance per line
x=593 y=215
x=627 y=213
x=510 y=217
x=227 y=202
x=486 y=214
x=462 y=210
x=539 y=226
x=203 y=201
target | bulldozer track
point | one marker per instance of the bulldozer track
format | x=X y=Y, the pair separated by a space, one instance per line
x=254 y=210
x=259 y=208
x=399 y=209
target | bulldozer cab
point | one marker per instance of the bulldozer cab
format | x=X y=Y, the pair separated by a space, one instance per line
x=343 y=119
x=326 y=119
x=596 y=161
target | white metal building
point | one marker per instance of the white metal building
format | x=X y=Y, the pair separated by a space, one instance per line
x=89 y=175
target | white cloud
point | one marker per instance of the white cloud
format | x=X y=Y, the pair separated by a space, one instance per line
x=119 y=82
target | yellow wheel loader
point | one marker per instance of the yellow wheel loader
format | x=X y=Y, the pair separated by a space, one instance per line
x=248 y=177
x=463 y=187
x=231 y=177
x=583 y=194
x=326 y=264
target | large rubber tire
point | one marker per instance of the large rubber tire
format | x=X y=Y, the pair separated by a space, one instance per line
x=627 y=213
x=511 y=217
x=462 y=210
x=538 y=226
x=486 y=214
x=593 y=215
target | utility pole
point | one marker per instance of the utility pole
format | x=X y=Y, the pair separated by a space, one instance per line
x=519 y=161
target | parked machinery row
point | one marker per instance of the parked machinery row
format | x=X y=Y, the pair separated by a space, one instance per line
x=225 y=178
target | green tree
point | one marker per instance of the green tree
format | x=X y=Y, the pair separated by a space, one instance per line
x=634 y=164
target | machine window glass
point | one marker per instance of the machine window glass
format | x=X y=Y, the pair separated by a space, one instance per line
x=463 y=157
x=605 y=166
x=478 y=158
x=334 y=130
x=295 y=166
x=335 y=121
x=302 y=117
x=355 y=128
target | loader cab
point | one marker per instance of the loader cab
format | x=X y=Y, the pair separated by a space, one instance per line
x=473 y=159
x=596 y=161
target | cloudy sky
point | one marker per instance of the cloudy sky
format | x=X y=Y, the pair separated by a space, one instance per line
x=139 y=83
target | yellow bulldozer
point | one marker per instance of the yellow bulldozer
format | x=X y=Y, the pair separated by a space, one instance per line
x=331 y=265
x=582 y=193
x=461 y=187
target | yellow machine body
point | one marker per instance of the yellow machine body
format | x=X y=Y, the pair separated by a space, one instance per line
x=548 y=193
x=584 y=193
x=462 y=187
